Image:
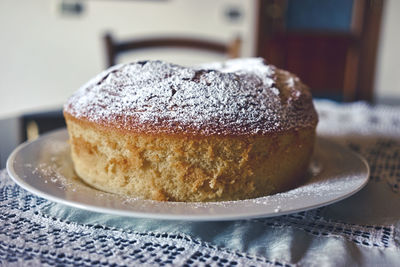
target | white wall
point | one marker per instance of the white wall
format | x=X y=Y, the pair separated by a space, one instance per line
x=388 y=65
x=44 y=57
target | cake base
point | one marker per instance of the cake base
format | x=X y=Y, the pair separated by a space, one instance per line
x=189 y=168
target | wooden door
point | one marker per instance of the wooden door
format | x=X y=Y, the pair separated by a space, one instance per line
x=330 y=44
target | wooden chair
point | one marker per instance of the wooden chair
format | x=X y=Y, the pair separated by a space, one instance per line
x=34 y=124
x=116 y=47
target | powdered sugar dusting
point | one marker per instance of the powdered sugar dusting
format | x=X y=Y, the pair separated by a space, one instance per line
x=240 y=97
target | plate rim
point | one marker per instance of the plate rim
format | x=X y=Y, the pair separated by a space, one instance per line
x=168 y=216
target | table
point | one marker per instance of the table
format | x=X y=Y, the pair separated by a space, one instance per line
x=361 y=230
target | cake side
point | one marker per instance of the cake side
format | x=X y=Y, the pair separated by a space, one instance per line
x=186 y=168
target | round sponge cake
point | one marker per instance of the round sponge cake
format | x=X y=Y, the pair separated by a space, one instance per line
x=226 y=131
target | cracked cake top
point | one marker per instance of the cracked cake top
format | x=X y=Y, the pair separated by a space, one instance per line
x=237 y=97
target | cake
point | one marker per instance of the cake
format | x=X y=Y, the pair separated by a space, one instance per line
x=224 y=131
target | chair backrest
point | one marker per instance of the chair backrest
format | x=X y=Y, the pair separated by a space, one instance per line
x=34 y=124
x=116 y=47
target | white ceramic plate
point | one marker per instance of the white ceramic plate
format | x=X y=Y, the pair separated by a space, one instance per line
x=44 y=168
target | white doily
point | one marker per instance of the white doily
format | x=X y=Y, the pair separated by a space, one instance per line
x=362 y=229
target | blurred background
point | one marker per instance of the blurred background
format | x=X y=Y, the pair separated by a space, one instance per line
x=345 y=50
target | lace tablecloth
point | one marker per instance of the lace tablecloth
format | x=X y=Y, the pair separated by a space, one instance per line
x=361 y=230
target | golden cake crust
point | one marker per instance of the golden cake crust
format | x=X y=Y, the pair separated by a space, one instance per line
x=186 y=168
